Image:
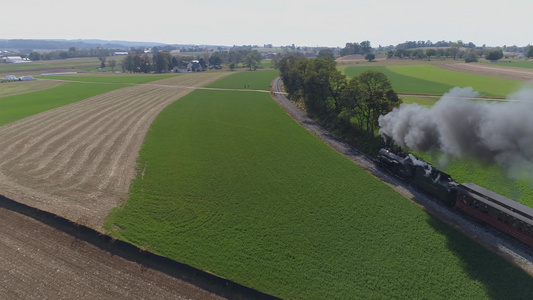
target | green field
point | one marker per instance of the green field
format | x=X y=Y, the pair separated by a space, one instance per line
x=17 y=107
x=486 y=85
x=517 y=64
x=425 y=101
x=253 y=80
x=73 y=63
x=428 y=79
x=403 y=84
x=229 y=183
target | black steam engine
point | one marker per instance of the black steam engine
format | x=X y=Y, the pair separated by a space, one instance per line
x=505 y=214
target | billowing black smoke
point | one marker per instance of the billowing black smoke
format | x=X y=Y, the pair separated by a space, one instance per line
x=499 y=132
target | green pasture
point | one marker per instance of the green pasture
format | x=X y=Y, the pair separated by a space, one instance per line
x=424 y=101
x=403 y=84
x=13 y=108
x=266 y=63
x=486 y=85
x=229 y=183
x=113 y=78
x=517 y=64
x=428 y=79
x=73 y=63
x=252 y=80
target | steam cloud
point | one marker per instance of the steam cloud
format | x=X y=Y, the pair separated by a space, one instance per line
x=498 y=132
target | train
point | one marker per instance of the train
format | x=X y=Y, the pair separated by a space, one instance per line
x=511 y=217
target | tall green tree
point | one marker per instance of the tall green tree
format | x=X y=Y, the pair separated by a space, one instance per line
x=252 y=60
x=162 y=61
x=365 y=47
x=372 y=95
x=326 y=53
x=322 y=85
x=529 y=52
x=102 y=60
x=494 y=55
x=112 y=64
x=430 y=53
x=291 y=72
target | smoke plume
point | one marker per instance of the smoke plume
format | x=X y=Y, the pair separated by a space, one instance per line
x=498 y=132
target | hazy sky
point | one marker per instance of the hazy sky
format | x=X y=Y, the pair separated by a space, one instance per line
x=277 y=22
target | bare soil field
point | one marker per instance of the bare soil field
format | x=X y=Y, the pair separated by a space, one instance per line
x=521 y=74
x=77 y=161
x=41 y=262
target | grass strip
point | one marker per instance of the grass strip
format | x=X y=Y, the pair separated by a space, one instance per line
x=17 y=107
x=129 y=78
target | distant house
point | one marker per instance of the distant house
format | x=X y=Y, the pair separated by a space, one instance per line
x=194 y=66
x=116 y=53
x=177 y=69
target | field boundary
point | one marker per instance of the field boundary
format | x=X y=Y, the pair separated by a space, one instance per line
x=202 y=279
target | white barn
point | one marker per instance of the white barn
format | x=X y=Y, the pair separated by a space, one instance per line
x=15 y=59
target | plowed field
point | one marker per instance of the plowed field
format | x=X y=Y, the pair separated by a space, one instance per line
x=77 y=161
x=40 y=262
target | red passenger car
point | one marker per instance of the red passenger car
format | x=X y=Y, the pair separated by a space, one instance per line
x=505 y=214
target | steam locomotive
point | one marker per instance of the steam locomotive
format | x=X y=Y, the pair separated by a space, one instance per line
x=496 y=210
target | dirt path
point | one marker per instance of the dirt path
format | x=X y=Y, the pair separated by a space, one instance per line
x=521 y=74
x=78 y=160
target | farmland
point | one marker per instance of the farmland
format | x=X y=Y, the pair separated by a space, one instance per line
x=428 y=79
x=13 y=108
x=77 y=160
x=259 y=80
x=228 y=183
x=516 y=64
x=67 y=65
x=113 y=78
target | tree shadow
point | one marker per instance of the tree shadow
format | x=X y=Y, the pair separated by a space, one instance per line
x=501 y=279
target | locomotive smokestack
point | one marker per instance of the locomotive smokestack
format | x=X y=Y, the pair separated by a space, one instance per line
x=499 y=132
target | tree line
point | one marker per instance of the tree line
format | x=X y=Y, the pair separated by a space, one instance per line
x=163 y=61
x=348 y=107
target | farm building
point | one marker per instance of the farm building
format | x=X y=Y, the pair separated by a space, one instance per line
x=15 y=59
x=22 y=78
x=194 y=66
x=11 y=78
